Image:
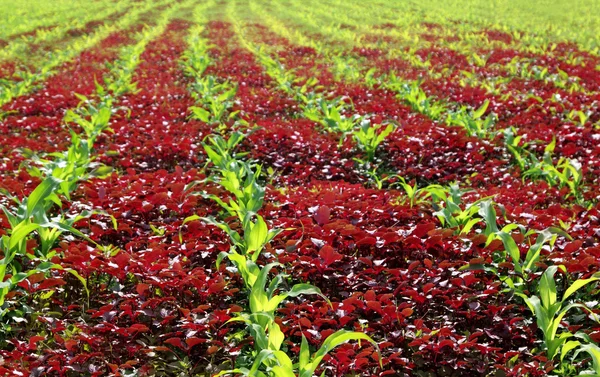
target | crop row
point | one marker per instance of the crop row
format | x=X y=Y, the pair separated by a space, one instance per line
x=242 y=198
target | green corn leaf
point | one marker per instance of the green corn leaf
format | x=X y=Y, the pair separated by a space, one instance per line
x=304 y=356
x=258 y=235
x=488 y=213
x=542 y=318
x=42 y=192
x=332 y=341
x=578 y=284
x=102 y=172
x=568 y=347
x=533 y=254
x=80 y=278
x=260 y=358
x=20 y=233
x=469 y=225
x=285 y=367
x=511 y=247
x=594 y=351
x=257 y=330
x=551 y=146
x=63 y=227
x=306 y=289
x=258 y=295
x=276 y=336
x=200 y=114
x=547 y=287
x=275 y=282
x=481 y=110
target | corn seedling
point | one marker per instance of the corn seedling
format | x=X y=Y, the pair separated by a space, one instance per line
x=278 y=363
x=416 y=195
x=565 y=172
x=345 y=68
x=369 y=136
x=70 y=167
x=579 y=116
x=472 y=121
x=549 y=311
x=451 y=215
x=330 y=114
x=31 y=216
x=414 y=96
x=285 y=79
x=93 y=119
x=214 y=99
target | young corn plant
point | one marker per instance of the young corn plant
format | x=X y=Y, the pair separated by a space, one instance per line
x=565 y=172
x=22 y=226
x=276 y=363
x=370 y=80
x=263 y=300
x=94 y=119
x=33 y=210
x=120 y=81
x=414 y=96
x=250 y=243
x=10 y=89
x=70 y=167
x=521 y=156
x=416 y=195
x=346 y=69
x=241 y=180
x=330 y=114
x=214 y=99
x=523 y=267
x=550 y=311
x=308 y=96
x=285 y=78
x=452 y=216
x=11 y=273
x=30 y=216
x=267 y=335
x=473 y=122
x=221 y=152
x=579 y=116
x=379 y=179
x=368 y=137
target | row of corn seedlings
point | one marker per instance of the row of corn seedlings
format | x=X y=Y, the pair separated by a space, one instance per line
x=249 y=236
x=333 y=115
x=28 y=81
x=60 y=173
x=23 y=18
x=564 y=172
x=19 y=47
x=539 y=290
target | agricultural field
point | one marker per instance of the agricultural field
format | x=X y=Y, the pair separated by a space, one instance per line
x=277 y=188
